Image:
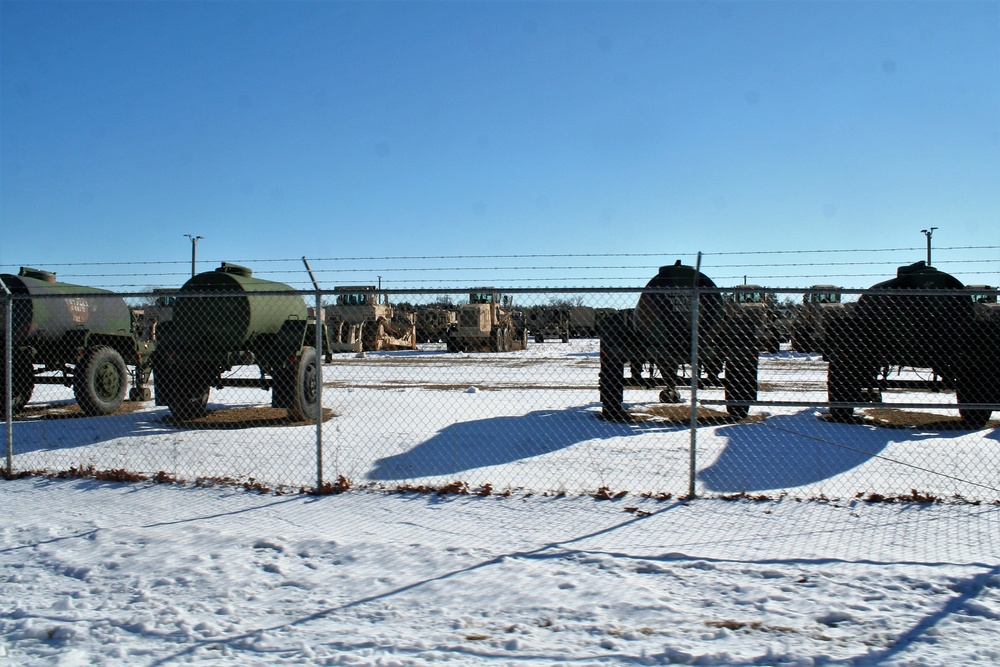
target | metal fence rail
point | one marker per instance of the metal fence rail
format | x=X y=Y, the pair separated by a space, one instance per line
x=530 y=390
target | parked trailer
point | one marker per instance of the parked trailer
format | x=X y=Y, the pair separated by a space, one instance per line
x=654 y=342
x=72 y=335
x=949 y=332
x=226 y=318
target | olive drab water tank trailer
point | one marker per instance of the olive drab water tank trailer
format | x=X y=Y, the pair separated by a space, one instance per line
x=653 y=342
x=85 y=334
x=941 y=331
x=227 y=318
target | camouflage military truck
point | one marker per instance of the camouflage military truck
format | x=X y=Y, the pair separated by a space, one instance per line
x=819 y=305
x=751 y=301
x=433 y=321
x=487 y=323
x=359 y=322
x=549 y=323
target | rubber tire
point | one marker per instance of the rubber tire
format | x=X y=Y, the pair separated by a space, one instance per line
x=612 y=387
x=22 y=383
x=187 y=394
x=740 y=381
x=304 y=390
x=100 y=381
x=842 y=385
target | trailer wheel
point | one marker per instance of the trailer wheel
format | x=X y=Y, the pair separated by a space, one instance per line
x=974 y=419
x=100 y=381
x=22 y=383
x=305 y=379
x=186 y=392
x=612 y=387
x=845 y=384
x=740 y=383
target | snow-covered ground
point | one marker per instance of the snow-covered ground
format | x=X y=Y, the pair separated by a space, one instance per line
x=526 y=420
x=99 y=573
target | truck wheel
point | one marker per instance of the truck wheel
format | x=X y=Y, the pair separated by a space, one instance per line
x=305 y=391
x=100 y=381
x=846 y=383
x=612 y=387
x=740 y=382
x=22 y=383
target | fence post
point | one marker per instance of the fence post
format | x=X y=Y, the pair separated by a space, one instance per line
x=319 y=391
x=693 y=452
x=8 y=374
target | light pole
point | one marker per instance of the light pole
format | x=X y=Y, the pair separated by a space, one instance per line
x=928 y=233
x=194 y=250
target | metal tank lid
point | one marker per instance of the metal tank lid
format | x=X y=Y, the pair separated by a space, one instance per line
x=235 y=269
x=37 y=274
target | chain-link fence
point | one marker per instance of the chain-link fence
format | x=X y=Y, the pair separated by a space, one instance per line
x=805 y=392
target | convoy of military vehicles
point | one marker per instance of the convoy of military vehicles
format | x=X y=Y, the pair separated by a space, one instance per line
x=189 y=339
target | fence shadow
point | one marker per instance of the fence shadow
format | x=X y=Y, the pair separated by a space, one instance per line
x=793 y=450
x=499 y=440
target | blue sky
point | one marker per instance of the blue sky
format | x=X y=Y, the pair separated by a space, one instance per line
x=610 y=135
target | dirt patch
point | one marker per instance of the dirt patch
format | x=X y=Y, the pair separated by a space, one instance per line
x=681 y=414
x=895 y=418
x=236 y=418
x=71 y=411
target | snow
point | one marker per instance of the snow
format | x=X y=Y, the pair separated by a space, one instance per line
x=805 y=573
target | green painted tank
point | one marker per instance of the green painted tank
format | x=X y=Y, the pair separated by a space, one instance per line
x=245 y=308
x=654 y=340
x=664 y=318
x=922 y=318
x=227 y=318
x=56 y=308
x=83 y=333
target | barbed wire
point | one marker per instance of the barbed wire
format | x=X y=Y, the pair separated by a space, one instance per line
x=524 y=272
x=705 y=255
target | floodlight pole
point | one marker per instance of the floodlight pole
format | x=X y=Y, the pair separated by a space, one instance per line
x=928 y=233
x=194 y=251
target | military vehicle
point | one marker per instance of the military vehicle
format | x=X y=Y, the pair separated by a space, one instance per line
x=751 y=301
x=819 y=305
x=433 y=321
x=933 y=323
x=359 y=322
x=76 y=336
x=227 y=318
x=549 y=322
x=654 y=342
x=487 y=323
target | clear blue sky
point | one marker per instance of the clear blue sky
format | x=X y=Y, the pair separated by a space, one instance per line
x=445 y=129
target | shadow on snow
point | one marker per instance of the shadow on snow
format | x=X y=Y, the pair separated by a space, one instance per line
x=793 y=450
x=499 y=440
